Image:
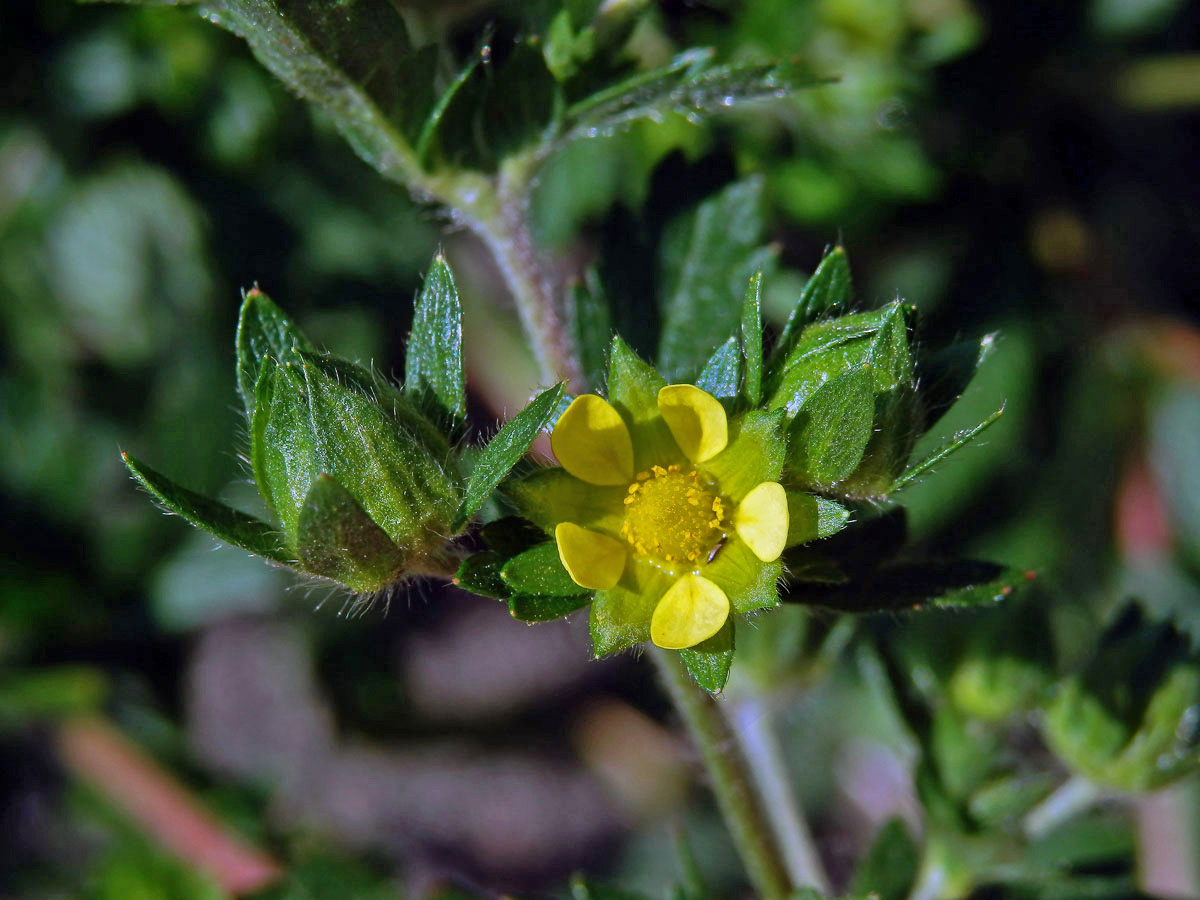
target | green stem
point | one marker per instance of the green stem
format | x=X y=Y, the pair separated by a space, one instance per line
x=760 y=744
x=740 y=805
x=496 y=209
x=1068 y=800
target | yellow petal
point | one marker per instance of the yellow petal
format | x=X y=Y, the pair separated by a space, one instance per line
x=693 y=610
x=697 y=420
x=592 y=442
x=593 y=560
x=761 y=520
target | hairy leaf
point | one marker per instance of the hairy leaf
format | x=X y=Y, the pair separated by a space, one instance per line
x=826 y=294
x=538 y=608
x=722 y=374
x=832 y=430
x=264 y=330
x=690 y=85
x=480 y=574
x=230 y=525
x=915 y=586
x=752 y=341
x=709 y=662
x=503 y=451
x=433 y=363
x=336 y=539
x=539 y=571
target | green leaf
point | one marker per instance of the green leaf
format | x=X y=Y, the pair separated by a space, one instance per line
x=811 y=517
x=429 y=129
x=889 y=868
x=955 y=444
x=336 y=539
x=480 y=574
x=433 y=362
x=687 y=85
x=504 y=105
x=263 y=331
x=353 y=59
x=320 y=416
x=826 y=294
x=826 y=349
x=539 y=571
x=536 y=608
x=752 y=340
x=830 y=434
x=722 y=374
x=708 y=662
x=228 y=524
x=914 y=586
x=503 y=451
x=708 y=254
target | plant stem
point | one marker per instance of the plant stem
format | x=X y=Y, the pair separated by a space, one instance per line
x=752 y=722
x=740 y=805
x=497 y=211
x=1067 y=800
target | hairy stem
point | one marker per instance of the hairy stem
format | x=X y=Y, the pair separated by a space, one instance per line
x=732 y=784
x=752 y=721
x=497 y=210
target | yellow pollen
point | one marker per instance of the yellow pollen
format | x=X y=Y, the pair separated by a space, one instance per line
x=673 y=517
x=643 y=476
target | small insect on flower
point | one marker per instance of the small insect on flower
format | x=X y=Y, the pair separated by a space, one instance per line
x=665 y=505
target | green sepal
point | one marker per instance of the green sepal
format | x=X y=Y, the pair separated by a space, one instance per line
x=227 y=524
x=539 y=571
x=752 y=341
x=550 y=496
x=633 y=387
x=480 y=574
x=315 y=415
x=825 y=294
x=433 y=363
x=264 y=331
x=889 y=868
x=336 y=539
x=755 y=453
x=542 y=608
x=831 y=431
x=709 y=661
x=708 y=253
x=722 y=374
x=748 y=582
x=620 y=616
x=913 y=586
x=503 y=452
x=811 y=517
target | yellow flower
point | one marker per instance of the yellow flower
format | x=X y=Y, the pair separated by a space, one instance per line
x=665 y=505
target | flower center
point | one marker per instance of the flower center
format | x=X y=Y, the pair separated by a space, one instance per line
x=673 y=516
